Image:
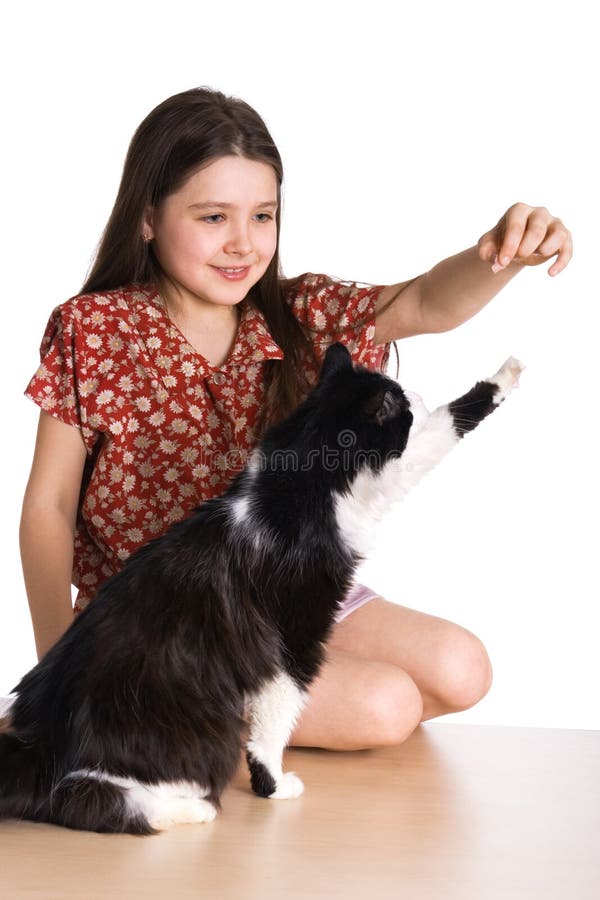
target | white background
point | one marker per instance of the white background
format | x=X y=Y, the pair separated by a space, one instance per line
x=406 y=130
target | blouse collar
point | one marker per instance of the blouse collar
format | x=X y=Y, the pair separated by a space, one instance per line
x=253 y=344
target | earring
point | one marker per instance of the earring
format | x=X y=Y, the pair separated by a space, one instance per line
x=146 y=238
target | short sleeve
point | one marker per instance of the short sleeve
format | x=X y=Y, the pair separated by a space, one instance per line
x=332 y=310
x=59 y=385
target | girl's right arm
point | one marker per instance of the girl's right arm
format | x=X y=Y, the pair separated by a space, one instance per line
x=47 y=529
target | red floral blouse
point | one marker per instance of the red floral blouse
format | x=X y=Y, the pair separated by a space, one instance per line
x=164 y=429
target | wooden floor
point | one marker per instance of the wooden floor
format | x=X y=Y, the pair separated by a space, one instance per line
x=458 y=811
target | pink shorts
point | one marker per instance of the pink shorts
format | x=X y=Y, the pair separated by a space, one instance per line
x=357 y=596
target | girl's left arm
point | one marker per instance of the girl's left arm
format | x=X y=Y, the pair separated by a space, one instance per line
x=458 y=287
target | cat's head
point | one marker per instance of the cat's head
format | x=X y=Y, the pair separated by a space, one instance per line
x=354 y=418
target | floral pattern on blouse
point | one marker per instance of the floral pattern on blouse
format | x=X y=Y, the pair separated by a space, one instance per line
x=164 y=429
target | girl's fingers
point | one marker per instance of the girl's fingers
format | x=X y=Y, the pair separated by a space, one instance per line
x=564 y=257
x=529 y=236
x=488 y=246
x=556 y=240
x=514 y=229
x=535 y=233
x=552 y=244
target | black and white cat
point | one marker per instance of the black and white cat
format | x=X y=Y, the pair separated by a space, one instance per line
x=210 y=635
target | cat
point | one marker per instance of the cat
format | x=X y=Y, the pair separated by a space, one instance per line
x=210 y=636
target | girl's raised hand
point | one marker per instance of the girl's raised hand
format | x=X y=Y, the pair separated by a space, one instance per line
x=528 y=236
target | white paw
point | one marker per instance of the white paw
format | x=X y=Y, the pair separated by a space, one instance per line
x=183 y=810
x=507 y=377
x=289 y=787
x=197 y=811
x=160 y=821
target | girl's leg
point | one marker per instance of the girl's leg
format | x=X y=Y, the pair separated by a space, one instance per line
x=447 y=663
x=389 y=668
x=357 y=704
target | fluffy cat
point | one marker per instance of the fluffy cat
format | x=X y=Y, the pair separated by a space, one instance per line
x=211 y=634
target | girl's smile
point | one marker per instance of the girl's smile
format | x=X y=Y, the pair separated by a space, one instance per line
x=233 y=274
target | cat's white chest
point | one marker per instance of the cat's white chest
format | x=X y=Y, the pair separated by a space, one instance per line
x=372 y=493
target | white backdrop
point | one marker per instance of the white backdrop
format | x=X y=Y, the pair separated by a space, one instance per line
x=406 y=130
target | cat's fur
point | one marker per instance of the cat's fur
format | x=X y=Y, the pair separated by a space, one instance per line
x=136 y=717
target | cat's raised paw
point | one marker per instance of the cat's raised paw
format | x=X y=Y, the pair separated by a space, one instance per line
x=507 y=377
x=289 y=787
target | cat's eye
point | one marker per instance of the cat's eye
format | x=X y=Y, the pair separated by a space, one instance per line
x=384 y=405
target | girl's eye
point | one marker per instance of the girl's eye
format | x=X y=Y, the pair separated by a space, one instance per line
x=262 y=217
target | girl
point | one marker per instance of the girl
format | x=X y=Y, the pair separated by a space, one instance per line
x=185 y=342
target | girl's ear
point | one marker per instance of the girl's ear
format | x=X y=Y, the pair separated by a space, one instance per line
x=148 y=223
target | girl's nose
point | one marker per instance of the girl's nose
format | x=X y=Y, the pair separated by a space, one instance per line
x=238 y=240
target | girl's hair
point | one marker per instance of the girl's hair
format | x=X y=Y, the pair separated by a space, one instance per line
x=182 y=134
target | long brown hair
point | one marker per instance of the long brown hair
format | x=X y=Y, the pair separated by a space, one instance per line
x=180 y=135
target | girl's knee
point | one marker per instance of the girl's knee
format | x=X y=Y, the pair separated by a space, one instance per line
x=393 y=707
x=464 y=670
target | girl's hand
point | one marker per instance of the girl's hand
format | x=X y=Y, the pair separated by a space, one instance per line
x=527 y=236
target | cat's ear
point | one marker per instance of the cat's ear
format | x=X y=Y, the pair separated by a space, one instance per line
x=336 y=359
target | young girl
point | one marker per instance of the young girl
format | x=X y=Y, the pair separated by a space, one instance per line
x=185 y=342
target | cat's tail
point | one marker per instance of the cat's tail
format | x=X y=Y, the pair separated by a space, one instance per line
x=30 y=790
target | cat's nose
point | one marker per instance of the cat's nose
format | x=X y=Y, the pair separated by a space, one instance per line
x=412 y=399
x=417 y=407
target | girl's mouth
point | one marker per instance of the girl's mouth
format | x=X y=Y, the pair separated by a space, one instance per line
x=233 y=274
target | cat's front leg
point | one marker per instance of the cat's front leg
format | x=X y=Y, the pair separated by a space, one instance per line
x=470 y=409
x=273 y=712
x=434 y=434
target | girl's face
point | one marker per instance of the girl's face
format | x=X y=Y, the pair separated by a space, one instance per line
x=222 y=218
